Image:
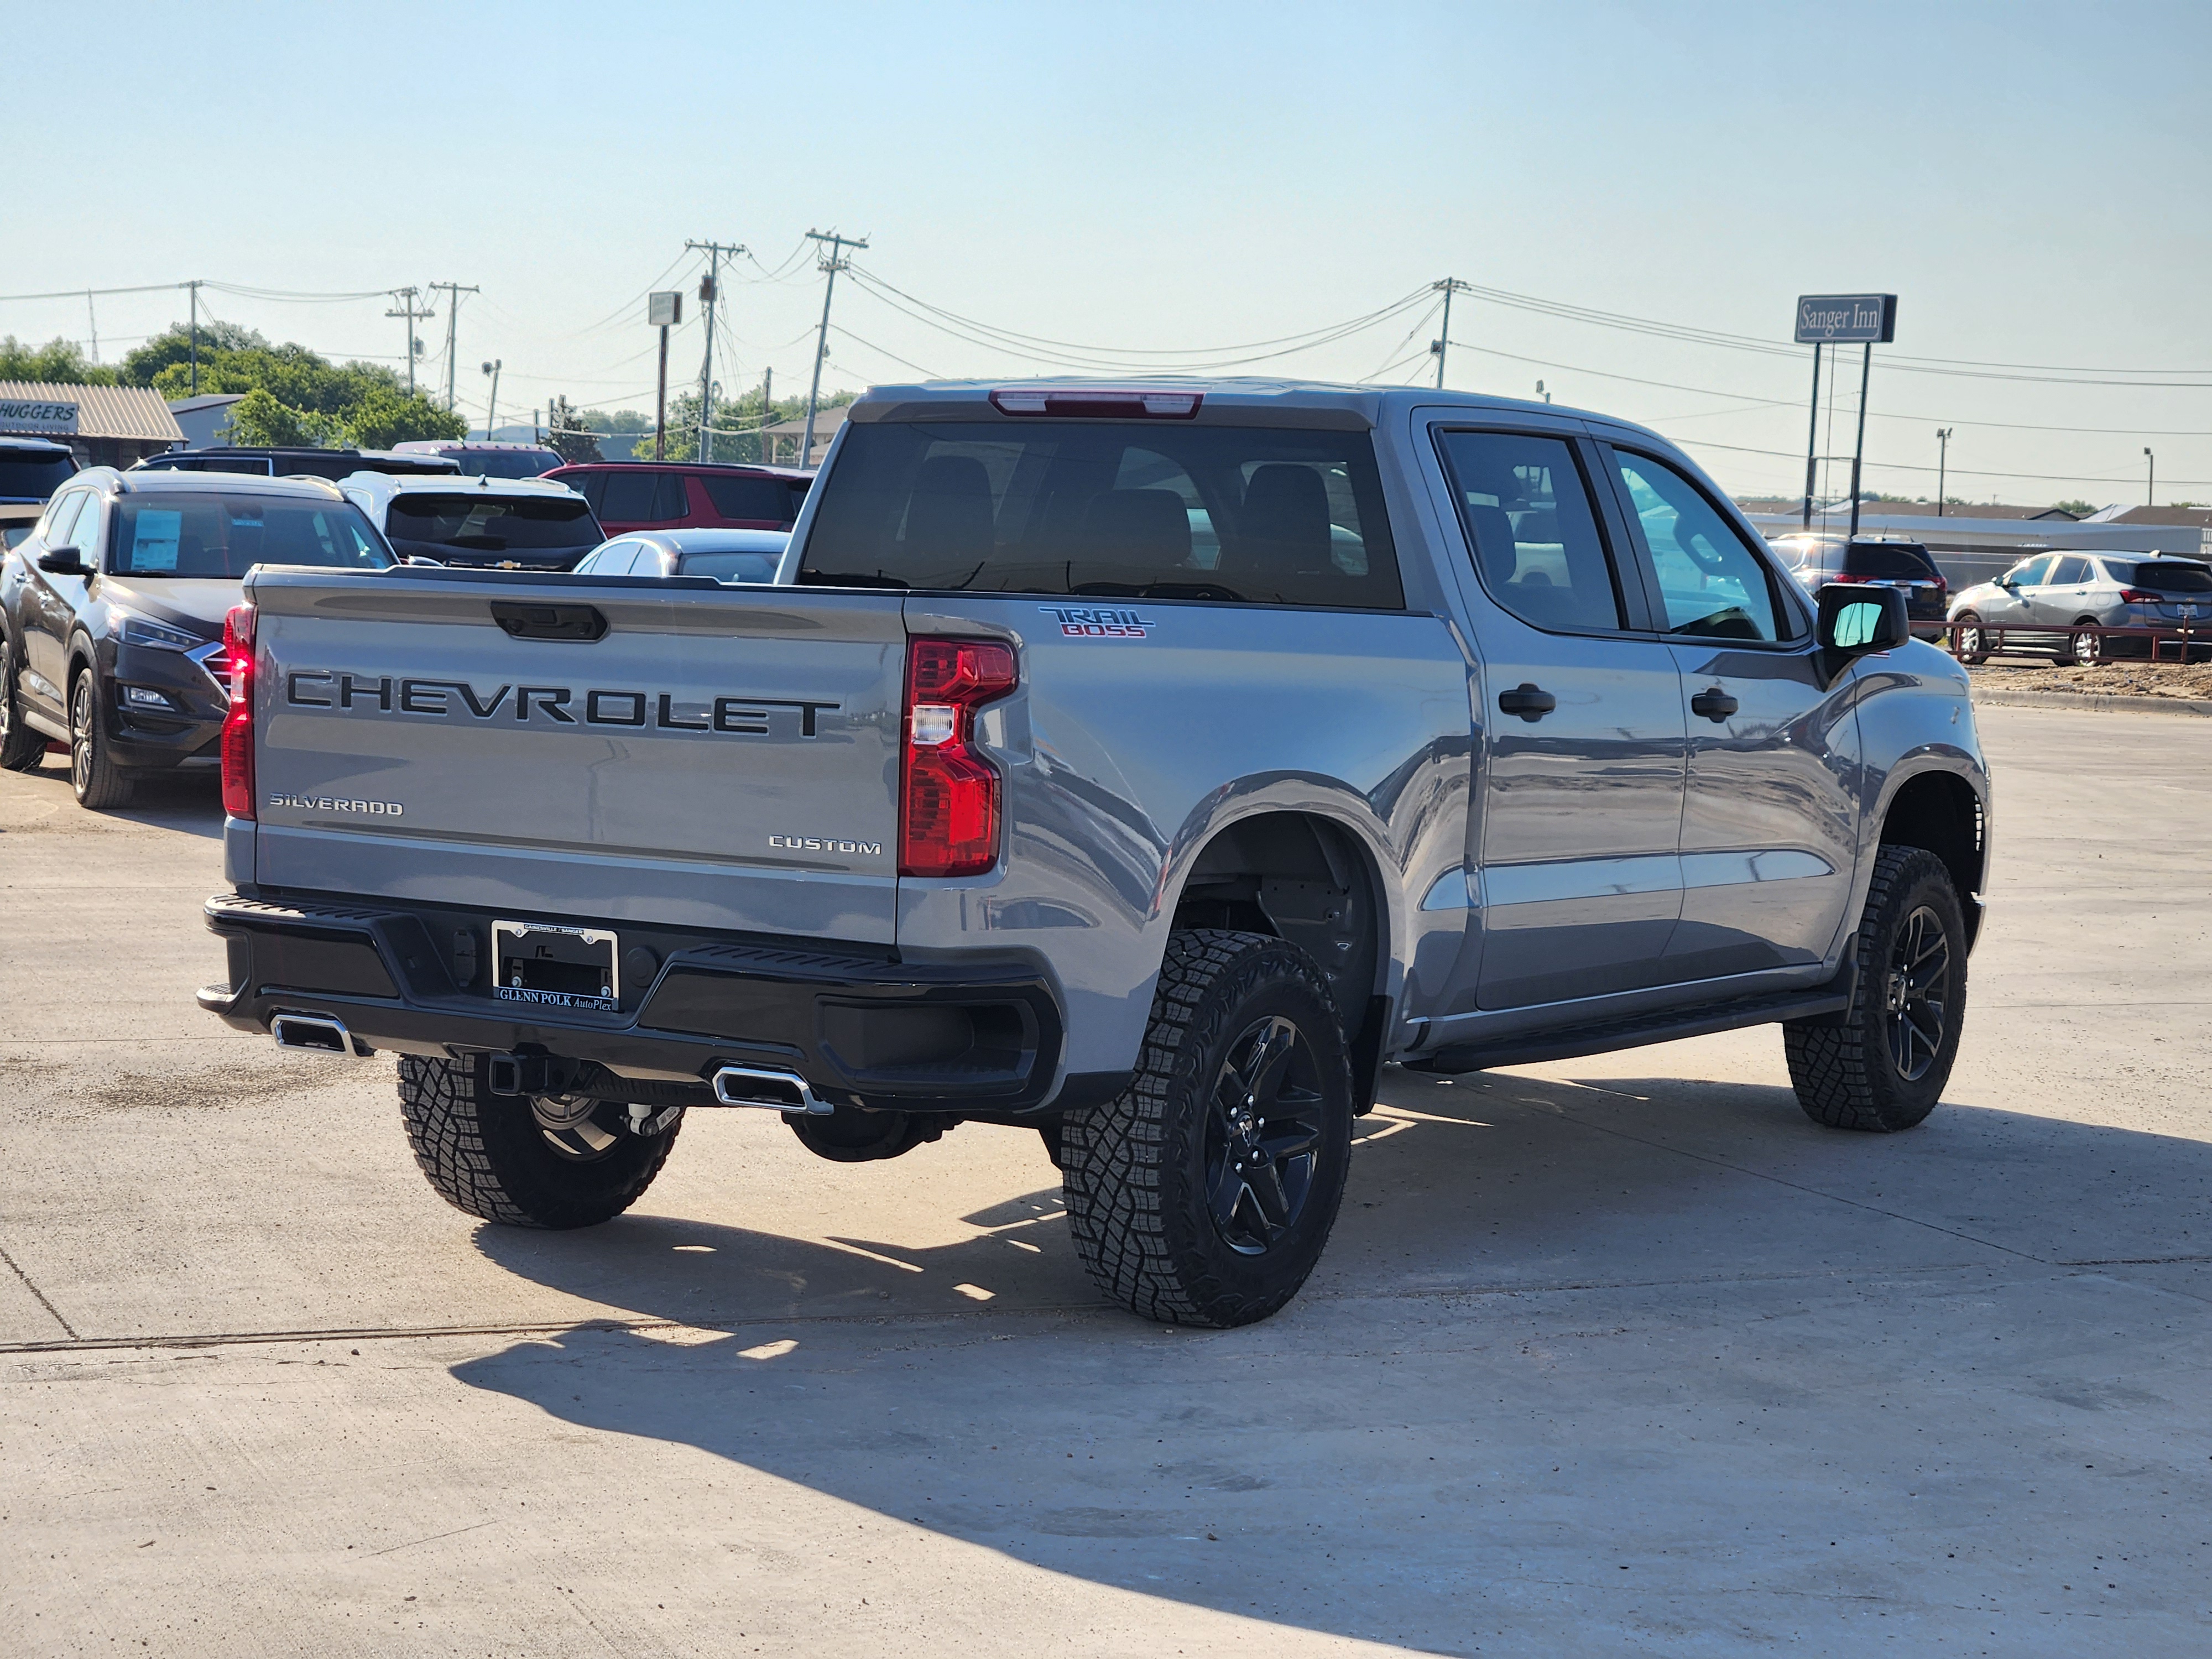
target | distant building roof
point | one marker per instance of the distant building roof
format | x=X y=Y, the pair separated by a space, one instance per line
x=826 y=421
x=49 y=411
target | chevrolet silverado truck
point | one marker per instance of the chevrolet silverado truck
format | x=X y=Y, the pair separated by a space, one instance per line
x=1149 y=765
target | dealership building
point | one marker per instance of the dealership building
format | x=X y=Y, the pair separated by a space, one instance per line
x=104 y=425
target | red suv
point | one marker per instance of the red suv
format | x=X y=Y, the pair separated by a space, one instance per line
x=630 y=496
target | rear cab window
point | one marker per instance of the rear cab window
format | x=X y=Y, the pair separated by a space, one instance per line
x=1260 y=516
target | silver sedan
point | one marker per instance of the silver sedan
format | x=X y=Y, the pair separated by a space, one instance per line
x=726 y=555
x=2052 y=601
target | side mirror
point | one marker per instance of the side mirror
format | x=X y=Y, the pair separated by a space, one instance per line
x=2009 y=582
x=1857 y=620
x=64 y=562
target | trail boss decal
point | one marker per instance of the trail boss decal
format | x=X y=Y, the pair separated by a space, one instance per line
x=1091 y=623
x=560 y=705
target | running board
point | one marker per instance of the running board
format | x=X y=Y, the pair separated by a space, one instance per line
x=1665 y=1025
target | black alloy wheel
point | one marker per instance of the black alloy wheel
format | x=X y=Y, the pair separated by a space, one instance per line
x=1263 y=1135
x=1917 y=996
x=1204 y=1193
x=1881 y=1064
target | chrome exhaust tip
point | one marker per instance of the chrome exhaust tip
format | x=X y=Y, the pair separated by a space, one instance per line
x=778 y=1090
x=316 y=1034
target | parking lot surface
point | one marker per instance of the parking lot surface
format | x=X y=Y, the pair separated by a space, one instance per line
x=1614 y=1355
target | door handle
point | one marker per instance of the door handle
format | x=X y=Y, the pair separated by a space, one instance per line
x=1530 y=702
x=1714 y=704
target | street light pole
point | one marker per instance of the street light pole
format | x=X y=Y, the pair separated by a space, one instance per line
x=1942 y=455
x=491 y=409
x=2150 y=479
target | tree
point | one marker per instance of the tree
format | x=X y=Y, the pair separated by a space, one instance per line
x=259 y=418
x=2079 y=509
x=385 y=416
x=569 y=433
x=58 y=362
x=175 y=345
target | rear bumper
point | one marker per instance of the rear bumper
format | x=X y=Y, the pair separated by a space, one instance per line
x=981 y=1039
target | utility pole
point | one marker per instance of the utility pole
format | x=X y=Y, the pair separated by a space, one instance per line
x=710 y=290
x=92 y=318
x=453 y=292
x=833 y=263
x=195 y=287
x=1942 y=455
x=1450 y=286
x=406 y=298
x=767 y=415
x=2150 y=479
x=491 y=409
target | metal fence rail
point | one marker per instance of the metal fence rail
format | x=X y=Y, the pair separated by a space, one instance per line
x=2182 y=637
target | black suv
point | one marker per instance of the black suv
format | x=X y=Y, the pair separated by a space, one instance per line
x=297 y=463
x=31 y=470
x=111 y=613
x=1814 y=559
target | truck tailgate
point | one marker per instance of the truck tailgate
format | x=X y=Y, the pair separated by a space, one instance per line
x=620 y=748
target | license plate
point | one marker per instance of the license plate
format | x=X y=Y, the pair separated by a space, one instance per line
x=556 y=967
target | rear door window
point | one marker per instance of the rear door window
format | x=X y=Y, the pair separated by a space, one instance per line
x=1527 y=511
x=644 y=496
x=2073 y=571
x=1710 y=583
x=1239 y=514
x=763 y=500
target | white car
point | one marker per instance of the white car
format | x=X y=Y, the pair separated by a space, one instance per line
x=727 y=555
x=495 y=524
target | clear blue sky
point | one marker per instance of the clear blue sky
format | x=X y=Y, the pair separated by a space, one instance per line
x=2032 y=179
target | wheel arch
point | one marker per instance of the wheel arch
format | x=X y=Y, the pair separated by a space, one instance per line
x=1941 y=812
x=1316 y=879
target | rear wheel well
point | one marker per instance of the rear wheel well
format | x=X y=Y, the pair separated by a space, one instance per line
x=1940 y=812
x=1304 y=879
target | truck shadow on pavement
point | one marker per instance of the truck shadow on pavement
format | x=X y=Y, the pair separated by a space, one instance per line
x=1388 y=1453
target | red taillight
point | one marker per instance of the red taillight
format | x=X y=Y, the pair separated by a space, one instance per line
x=1098 y=403
x=2139 y=596
x=1847 y=576
x=949 y=795
x=238 y=722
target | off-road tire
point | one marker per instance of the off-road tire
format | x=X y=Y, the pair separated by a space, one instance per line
x=1134 y=1170
x=98 y=782
x=487 y=1156
x=1844 y=1073
x=22 y=748
x=1972 y=639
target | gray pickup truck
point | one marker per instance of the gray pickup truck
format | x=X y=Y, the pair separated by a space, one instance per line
x=1150 y=766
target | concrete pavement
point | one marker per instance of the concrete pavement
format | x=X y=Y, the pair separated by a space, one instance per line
x=1611 y=1355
